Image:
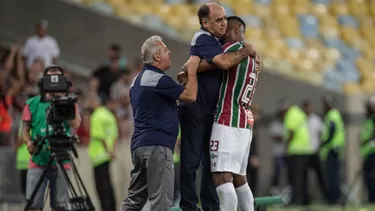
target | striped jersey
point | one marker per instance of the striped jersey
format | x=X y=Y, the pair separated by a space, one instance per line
x=237 y=91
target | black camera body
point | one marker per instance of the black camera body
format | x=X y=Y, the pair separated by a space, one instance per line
x=61 y=110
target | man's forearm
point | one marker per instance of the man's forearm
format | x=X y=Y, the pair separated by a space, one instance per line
x=75 y=122
x=192 y=85
x=204 y=66
x=26 y=132
x=105 y=145
x=291 y=134
x=231 y=59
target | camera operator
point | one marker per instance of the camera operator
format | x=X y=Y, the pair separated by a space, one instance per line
x=34 y=125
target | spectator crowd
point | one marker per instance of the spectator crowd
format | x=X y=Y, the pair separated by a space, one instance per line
x=22 y=66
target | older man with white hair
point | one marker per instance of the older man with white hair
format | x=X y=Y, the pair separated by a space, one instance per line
x=153 y=96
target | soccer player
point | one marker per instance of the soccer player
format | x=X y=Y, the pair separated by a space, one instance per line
x=232 y=129
x=196 y=119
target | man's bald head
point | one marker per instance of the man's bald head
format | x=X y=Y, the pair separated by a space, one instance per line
x=213 y=18
x=204 y=11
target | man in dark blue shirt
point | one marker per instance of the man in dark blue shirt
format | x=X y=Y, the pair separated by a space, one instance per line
x=154 y=98
x=196 y=119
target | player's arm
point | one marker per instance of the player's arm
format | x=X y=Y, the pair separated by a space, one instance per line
x=208 y=48
x=230 y=59
x=204 y=65
x=215 y=57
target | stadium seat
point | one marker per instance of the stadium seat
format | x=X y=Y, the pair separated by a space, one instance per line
x=329 y=42
x=321 y=1
x=103 y=7
x=309 y=26
x=347 y=21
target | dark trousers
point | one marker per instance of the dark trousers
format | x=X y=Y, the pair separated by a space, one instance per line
x=369 y=177
x=23 y=177
x=297 y=176
x=176 y=195
x=195 y=139
x=333 y=177
x=316 y=165
x=278 y=164
x=252 y=178
x=104 y=187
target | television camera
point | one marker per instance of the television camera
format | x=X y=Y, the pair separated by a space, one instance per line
x=54 y=89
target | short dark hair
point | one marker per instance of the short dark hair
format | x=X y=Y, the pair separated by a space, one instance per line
x=115 y=47
x=236 y=19
x=53 y=69
x=203 y=12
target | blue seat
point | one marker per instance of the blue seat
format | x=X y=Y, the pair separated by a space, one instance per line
x=351 y=54
x=343 y=65
x=228 y=9
x=333 y=80
x=152 y=22
x=348 y=21
x=171 y=31
x=263 y=1
x=347 y=70
x=174 y=1
x=309 y=26
x=103 y=7
x=321 y=1
x=294 y=43
x=333 y=42
x=252 y=21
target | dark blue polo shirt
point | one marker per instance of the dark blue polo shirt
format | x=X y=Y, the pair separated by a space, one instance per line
x=153 y=96
x=207 y=46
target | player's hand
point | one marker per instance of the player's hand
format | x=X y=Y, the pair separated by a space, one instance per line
x=30 y=147
x=250 y=49
x=192 y=64
x=254 y=161
x=181 y=77
x=258 y=63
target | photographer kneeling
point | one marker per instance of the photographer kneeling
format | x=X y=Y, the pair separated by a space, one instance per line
x=34 y=126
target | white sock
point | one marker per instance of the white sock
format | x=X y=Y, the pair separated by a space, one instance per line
x=227 y=196
x=245 y=198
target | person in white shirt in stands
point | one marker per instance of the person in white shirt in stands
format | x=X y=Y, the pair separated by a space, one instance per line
x=41 y=45
x=316 y=126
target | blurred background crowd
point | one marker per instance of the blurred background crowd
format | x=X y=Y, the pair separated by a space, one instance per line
x=310 y=48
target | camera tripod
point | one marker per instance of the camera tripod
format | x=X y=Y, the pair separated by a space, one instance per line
x=79 y=200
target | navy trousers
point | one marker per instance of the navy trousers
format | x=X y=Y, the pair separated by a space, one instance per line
x=195 y=140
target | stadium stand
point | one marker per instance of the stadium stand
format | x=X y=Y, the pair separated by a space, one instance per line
x=325 y=42
x=322 y=41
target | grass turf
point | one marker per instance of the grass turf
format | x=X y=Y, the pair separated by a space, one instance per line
x=323 y=208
